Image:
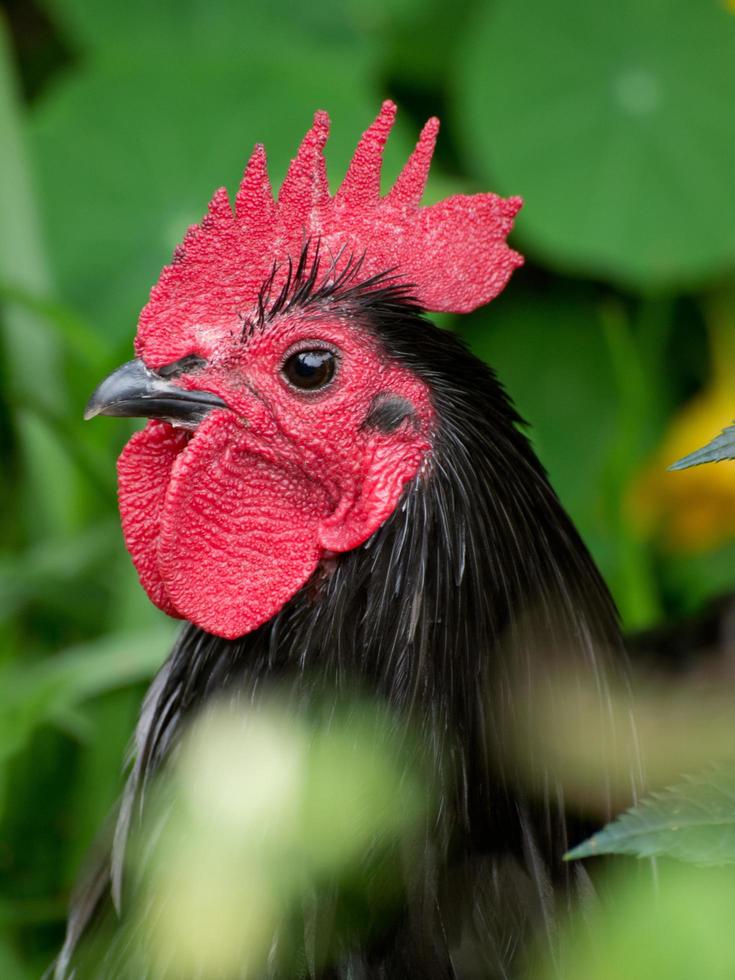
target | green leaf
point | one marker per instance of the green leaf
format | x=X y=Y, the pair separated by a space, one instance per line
x=31 y=353
x=53 y=565
x=720 y=448
x=110 y=718
x=693 y=821
x=218 y=28
x=44 y=693
x=75 y=333
x=11 y=965
x=129 y=149
x=418 y=41
x=694 y=579
x=614 y=121
x=550 y=353
x=675 y=924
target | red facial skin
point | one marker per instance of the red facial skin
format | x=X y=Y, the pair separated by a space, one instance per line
x=227 y=523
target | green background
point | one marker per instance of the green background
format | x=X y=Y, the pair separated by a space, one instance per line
x=615 y=122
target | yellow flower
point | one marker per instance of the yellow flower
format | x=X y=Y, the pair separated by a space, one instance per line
x=691 y=510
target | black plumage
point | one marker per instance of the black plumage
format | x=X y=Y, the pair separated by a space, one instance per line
x=471 y=596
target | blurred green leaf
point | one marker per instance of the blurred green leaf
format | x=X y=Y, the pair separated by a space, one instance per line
x=675 y=924
x=193 y=27
x=692 y=821
x=549 y=351
x=268 y=819
x=693 y=579
x=129 y=149
x=360 y=787
x=11 y=966
x=54 y=564
x=615 y=123
x=642 y=395
x=417 y=41
x=70 y=327
x=110 y=719
x=44 y=692
x=32 y=356
x=43 y=910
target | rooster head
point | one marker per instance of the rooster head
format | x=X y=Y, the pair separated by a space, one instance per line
x=281 y=432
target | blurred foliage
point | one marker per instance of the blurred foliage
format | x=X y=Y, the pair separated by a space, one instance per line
x=601 y=749
x=270 y=819
x=624 y=150
x=117 y=121
x=268 y=823
x=693 y=513
x=674 y=927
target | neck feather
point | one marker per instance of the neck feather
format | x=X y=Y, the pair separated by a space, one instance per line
x=479 y=578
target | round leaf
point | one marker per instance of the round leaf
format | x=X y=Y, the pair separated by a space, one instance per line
x=128 y=152
x=615 y=122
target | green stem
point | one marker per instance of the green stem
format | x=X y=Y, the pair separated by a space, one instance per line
x=637 y=593
x=719 y=314
x=31 y=354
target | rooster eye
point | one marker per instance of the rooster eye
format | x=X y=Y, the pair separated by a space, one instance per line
x=310 y=370
x=185 y=364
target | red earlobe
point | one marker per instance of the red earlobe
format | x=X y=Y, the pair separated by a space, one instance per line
x=238 y=530
x=224 y=530
x=143 y=473
x=356 y=519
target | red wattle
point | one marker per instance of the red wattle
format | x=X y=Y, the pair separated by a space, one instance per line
x=220 y=531
x=144 y=472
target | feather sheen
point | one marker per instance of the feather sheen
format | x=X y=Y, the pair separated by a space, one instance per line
x=477 y=579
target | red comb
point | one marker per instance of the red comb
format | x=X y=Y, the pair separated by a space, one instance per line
x=453 y=255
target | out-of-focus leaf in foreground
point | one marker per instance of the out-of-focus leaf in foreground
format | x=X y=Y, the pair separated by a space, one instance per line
x=270 y=824
x=598 y=746
x=692 y=821
x=615 y=123
x=674 y=925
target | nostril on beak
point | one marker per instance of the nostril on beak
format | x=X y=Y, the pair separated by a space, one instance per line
x=133 y=391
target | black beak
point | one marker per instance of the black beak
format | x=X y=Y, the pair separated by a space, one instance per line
x=133 y=391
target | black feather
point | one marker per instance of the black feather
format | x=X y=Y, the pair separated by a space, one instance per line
x=477 y=578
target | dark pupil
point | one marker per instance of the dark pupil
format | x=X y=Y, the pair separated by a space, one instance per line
x=310 y=369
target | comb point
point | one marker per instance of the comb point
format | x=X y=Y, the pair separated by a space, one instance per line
x=454 y=253
x=305 y=188
x=321 y=125
x=360 y=189
x=411 y=182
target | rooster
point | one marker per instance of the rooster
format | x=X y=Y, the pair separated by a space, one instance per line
x=331 y=491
